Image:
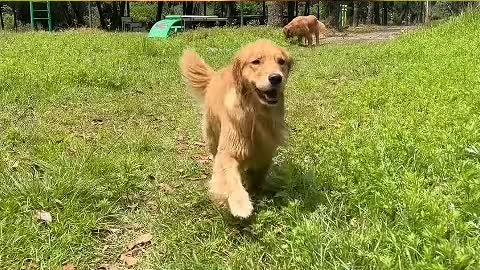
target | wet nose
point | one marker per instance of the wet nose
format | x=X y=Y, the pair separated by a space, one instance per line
x=275 y=78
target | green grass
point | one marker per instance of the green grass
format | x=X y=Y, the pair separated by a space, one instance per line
x=382 y=169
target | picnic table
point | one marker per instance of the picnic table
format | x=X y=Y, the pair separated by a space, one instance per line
x=195 y=18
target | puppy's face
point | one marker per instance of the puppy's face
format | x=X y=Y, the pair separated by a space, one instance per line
x=263 y=68
x=286 y=31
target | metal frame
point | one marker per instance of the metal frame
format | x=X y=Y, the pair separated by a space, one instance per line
x=34 y=19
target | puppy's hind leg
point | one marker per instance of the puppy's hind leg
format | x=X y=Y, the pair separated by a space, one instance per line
x=227 y=183
x=310 y=40
x=209 y=136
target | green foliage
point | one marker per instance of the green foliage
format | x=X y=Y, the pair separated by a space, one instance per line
x=382 y=169
x=143 y=12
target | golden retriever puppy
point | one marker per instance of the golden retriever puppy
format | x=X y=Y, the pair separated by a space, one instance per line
x=304 y=27
x=243 y=118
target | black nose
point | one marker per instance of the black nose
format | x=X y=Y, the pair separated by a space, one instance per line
x=275 y=78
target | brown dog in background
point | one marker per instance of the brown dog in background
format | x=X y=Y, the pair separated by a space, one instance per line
x=304 y=27
x=243 y=118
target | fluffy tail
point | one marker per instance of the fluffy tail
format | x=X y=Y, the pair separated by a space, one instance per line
x=324 y=30
x=196 y=71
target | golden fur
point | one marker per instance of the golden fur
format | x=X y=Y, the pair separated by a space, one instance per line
x=304 y=27
x=243 y=118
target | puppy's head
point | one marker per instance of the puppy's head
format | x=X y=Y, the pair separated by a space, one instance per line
x=286 y=31
x=262 y=68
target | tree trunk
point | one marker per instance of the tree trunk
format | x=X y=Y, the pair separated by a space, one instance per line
x=333 y=19
x=355 y=13
x=296 y=8
x=376 y=11
x=101 y=15
x=264 y=13
x=122 y=9
x=370 y=13
x=384 y=13
x=427 y=12
x=188 y=8
x=116 y=20
x=1 y=16
x=306 y=11
x=14 y=10
x=230 y=12
x=403 y=14
x=159 y=11
x=275 y=13
x=290 y=10
x=420 y=18
x=76 y=7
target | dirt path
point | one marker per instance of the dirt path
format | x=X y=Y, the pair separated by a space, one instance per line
x=364 y=34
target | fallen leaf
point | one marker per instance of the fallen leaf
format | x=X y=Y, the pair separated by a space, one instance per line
x=133 y=226
x=132 y=206
x=142 y=239
x=97 y=121
x=129 y=260
x=107 y=267
x=202 y=177
x=152 y=205
x=199 y=143
x=165 y=188
x=204 y=159
x=106 y=230
x=15 y=165
x=69 y=266
x=29 y=265
x=43 y=216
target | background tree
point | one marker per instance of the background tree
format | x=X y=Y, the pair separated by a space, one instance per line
x=275 y=13
x=333 y=10
x=158 y=17
x=290 y=10
x=355 y=14
x=370 y=13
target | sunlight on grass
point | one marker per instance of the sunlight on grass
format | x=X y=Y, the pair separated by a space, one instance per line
x=381 y=171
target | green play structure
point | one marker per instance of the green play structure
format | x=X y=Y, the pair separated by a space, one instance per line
x=168 y=26
x=45 y=11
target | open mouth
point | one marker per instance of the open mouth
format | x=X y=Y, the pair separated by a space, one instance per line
x=268 y=97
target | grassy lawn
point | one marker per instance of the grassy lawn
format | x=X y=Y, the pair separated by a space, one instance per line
x=382 y=169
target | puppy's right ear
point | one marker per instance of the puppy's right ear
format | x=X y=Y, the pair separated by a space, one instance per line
x=237 y=72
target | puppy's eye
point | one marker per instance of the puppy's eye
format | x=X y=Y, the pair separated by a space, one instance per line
x=281 y=62
x=256 y=62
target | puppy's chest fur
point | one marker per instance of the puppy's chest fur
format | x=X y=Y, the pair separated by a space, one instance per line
x=254 y=132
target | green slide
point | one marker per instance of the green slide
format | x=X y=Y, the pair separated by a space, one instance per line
x=166 y=27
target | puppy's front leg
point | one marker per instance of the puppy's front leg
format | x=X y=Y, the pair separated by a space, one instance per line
x=227 y=182
x=300 y=40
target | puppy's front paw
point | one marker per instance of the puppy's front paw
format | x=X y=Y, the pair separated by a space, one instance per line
x=240 y=204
